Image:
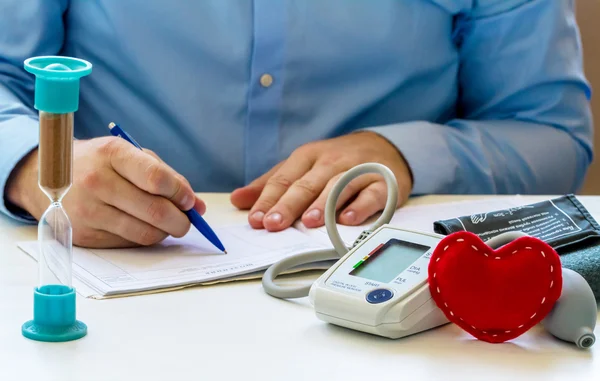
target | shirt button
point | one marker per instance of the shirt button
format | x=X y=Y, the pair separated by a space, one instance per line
x=266 y=80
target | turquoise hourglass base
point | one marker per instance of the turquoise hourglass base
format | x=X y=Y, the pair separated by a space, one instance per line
x=54 y=315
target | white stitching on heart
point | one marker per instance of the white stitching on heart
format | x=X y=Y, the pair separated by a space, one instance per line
x=475 y=248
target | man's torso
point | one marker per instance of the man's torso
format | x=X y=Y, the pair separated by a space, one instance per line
x=188 y=80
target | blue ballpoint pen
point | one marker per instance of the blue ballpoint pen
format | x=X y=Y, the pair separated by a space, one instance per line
x=194 y=217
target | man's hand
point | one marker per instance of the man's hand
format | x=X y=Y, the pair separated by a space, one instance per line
x=121 y=196
x=299 y=186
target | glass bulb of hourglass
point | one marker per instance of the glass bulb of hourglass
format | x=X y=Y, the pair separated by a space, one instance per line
x=55 y=178
x=56 y=253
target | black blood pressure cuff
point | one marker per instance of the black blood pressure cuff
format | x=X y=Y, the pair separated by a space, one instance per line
x=558 y=222
x=563 y=223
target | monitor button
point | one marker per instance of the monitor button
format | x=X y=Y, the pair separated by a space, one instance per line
x=379 y=295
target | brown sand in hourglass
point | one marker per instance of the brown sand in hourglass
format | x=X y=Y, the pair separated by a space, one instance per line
x=55 y=154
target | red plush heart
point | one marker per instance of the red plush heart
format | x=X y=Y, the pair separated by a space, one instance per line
x=495 y=295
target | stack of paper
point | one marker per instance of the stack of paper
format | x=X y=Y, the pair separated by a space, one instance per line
x=180 y=262
x=192 y=260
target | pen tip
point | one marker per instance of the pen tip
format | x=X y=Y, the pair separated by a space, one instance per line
x=225 y=251
x=111 y=125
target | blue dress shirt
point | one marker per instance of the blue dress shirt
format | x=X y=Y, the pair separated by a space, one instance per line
x=484 y=96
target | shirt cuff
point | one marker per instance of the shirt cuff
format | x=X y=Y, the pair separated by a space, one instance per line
x=427 y=154
x=20 y=136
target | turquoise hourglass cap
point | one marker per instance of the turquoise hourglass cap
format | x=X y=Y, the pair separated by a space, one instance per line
x=57 y=82
x=54 y=316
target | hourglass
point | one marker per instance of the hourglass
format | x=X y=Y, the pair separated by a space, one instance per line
x=56 y=99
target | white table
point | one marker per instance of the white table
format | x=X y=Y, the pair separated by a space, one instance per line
x=235 y=331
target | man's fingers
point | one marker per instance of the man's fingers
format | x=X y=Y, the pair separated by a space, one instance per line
x=115 y=221
x=262 y=180
x=315 y=213
x=154 y=210
x=245 y=197
x=200 y=206
x=153 y=154
x=369 y=201
x=275 y=187
x=298 y=197
x=98 y=239
x=175 y=173
x=148 y=173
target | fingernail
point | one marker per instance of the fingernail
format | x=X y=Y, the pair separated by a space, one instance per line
x=275 y=217
x=184 y=202
x=258 y=216
x=314 y=214
x=350 y=216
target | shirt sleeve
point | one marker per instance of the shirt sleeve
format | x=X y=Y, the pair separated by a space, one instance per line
x=27 y=28
x=525 y=123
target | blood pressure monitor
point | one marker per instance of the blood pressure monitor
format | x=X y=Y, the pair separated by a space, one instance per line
x=380 y=286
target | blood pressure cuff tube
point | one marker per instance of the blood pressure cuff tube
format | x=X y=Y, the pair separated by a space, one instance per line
x=563 y=223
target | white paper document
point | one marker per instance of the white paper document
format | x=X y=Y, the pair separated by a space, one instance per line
x=193 y=260
x=178 y=262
